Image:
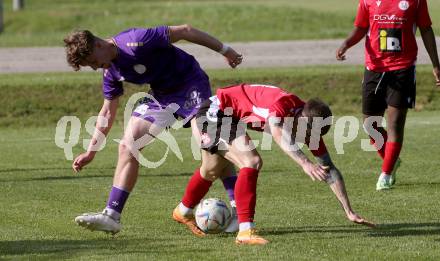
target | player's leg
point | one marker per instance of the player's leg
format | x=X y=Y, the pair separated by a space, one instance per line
x=400 y=96
x=243 y=154
x=228 y=176
x=198 y=186
x=396 y=118
x=139 y=132
x=373 y=107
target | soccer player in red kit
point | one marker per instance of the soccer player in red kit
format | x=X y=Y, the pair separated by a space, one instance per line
x=222 y=121
x=389 y=82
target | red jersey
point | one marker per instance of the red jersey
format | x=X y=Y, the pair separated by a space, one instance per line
x=255 y=103
x=390 y=43
x=252 y=103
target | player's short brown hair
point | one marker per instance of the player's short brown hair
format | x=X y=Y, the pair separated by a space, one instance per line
x=317 y=108
x=79 y=44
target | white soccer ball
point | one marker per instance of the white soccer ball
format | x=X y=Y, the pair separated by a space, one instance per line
x=212 y=215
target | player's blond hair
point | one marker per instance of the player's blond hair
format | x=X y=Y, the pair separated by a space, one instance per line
x=317 y=108
x=79 y=44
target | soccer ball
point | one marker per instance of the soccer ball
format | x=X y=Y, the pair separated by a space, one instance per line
x=212 y=215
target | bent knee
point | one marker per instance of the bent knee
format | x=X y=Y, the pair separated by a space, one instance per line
x=125 y=151
x=209 y=173
x=255 y=162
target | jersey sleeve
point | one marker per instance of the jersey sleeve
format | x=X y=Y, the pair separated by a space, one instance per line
x=322 y=149
x=283 y=107
x=111 y=87
x=152 y=38
x=423 y=19
x=362 y=17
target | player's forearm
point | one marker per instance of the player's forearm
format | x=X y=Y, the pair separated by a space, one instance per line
x=293 y=151
x=355 y=36
x=103 y=125
x=337 y=185
x=190 y=34
x=325 y=160
x=284 y=141
x=430 y=45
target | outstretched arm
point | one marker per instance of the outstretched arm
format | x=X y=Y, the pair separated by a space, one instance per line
x=190 y=34
x=355 y=36
x=337 y=185
x=315 y=172
x=431 y=47
x=107 y=113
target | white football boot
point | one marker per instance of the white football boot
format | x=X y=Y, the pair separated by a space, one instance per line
x=99 y=222
x=233 y=225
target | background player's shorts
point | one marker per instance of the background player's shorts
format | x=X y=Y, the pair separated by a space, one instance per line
x=217 y=129
x=394 y=88
x=164 y=108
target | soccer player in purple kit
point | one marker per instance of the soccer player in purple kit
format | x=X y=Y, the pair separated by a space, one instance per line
x=141 y=56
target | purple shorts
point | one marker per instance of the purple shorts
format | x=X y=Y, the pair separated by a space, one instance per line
x=163 y=109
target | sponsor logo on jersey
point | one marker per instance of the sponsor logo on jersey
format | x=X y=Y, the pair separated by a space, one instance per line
x=403 y=5
x=389 y=19
x=390 y=40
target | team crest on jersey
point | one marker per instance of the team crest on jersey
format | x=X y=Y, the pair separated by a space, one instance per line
x=140 y=68
x=403 y=5
x=390 y=40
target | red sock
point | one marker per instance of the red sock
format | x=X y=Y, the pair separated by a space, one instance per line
x=195 y=190
x=392 y=151
x=380 y=151
x=246 y=194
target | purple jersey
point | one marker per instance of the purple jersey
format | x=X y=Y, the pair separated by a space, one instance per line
x=146 y=56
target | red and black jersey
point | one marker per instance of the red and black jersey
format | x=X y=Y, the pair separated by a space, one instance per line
x=391 y=44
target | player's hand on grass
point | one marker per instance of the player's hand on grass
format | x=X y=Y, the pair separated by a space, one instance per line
x=315 y=171
x=233 y=58
x=353 y=217
x=436 y=72
x=82 y=160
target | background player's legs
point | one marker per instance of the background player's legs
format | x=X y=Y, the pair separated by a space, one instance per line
x=376 y=126
x=395 y=125
x=396 y=118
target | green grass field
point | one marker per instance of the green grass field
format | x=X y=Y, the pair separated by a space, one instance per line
x=303 y=221
x=229 y=20
x=41 y=196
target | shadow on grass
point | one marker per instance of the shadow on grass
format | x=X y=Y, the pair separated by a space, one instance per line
x=383 y=230
x=69 y=248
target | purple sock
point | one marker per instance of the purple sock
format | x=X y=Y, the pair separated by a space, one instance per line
x=116 y=199
x=229 y=184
